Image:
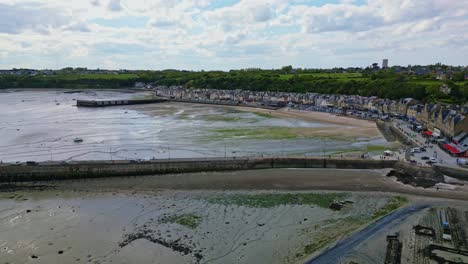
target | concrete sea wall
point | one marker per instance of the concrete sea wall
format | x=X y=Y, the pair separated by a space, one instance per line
x=83 y=170
x=385 y=130
x=227 y=103
x=101 y=169
x=104 y=103
x=418 y=172
x=402 y=137
x=452 y=171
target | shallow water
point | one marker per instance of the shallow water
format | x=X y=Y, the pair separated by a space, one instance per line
x=41 y=126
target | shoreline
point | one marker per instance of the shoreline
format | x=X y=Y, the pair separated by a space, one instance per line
x=354 y=126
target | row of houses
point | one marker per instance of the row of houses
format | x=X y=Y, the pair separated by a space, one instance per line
x=443 y=119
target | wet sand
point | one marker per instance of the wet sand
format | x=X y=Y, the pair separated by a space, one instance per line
x=274 y=179
x=72 y=226
x=42 y=126
x=121 y=220
x=354 y=126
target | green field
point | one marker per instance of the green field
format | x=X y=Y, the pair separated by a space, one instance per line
x=322 y=75
x=73 y=77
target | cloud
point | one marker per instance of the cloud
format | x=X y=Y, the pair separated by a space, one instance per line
x=81 y=27
x=341 y=17
x=114 y=6
x=262 y=13
x=226 y=34
x=163 y=22
x=16 y=18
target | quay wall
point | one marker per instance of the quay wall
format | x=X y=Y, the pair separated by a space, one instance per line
x=402 y=137
x=418 y=172
x=452 y=171
x=83 y=170
x=222 y=103
x=105 y=103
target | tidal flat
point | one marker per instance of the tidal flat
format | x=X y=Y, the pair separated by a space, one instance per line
x=74 y=225
x=42 y=125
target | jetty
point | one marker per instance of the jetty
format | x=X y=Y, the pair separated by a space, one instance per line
x=104 y=103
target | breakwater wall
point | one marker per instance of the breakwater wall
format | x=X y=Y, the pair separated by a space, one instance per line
x=428 y=173
x=99 y=169
x=400 y=136
x=452 y=171
x=104 y=103
x=385 y=130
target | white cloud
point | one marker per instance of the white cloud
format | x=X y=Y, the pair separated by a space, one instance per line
x=192 y=34
x=17 y=18
x=114 y=5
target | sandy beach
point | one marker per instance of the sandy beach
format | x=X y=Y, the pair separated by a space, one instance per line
x=354 y=126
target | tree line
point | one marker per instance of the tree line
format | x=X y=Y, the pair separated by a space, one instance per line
x=384 y=84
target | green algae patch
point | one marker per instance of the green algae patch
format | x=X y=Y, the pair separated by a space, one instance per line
x=333 y=230
x=144 y=97
x=221 y=118
x=393 y=204
x=271 y=133
x=189 y=220
x=270 y=200
x=264 y=115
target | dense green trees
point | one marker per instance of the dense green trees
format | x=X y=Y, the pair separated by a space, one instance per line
x=384 y=84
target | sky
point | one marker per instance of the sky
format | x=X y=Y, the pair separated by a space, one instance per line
x=230 y=34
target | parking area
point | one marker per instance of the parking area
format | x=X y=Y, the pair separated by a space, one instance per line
x=428 y=151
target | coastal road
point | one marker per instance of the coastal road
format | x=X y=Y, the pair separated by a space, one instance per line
x=339 y=251
x=433 y=150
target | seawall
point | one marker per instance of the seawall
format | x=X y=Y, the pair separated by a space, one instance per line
x=385 y=130
x=227 y=103
x=452 y=171
x=83 y=170
x=104 y=103
x=402 y=137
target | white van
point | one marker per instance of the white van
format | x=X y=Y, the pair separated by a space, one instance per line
x=415 y=150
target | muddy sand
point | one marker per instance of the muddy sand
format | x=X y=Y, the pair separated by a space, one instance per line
x=276 y=179
x=354 y=126
x=349 y=127
x=50 y=122
x=232 y=217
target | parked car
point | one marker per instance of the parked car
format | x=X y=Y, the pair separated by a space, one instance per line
x=415 y=150
x=425 y=158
